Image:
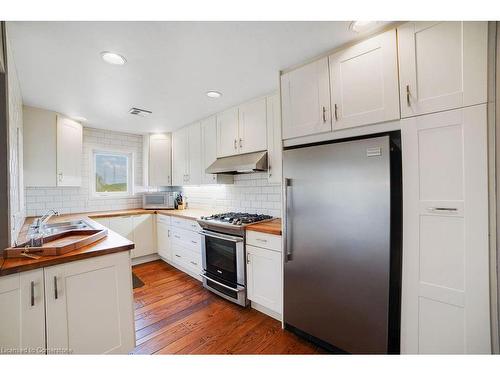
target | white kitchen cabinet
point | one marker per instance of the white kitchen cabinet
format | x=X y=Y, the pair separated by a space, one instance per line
x=227 y=133
x=69 y=152
x=144 y=235
x=264 y=277
x=252 y=126
x=194 y=154
x=209 y=153
x=274 y=143
x=186 y=246
x=180 y=156
x=442 y=65
x=53 y=147
x=187 y=159
x=123 y=225
x=364 y=82
x=163 y=235
x=22 y=308
x=159 y=159
x=305 y=100
x=445 y=291
x=89 y=305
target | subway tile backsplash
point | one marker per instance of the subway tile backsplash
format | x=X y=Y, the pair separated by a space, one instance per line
x=249 y=193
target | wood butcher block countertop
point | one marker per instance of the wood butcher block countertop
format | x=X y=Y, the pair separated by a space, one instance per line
x=112 y=243
x=270 y=227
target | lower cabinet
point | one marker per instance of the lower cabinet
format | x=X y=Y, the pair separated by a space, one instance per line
x=186 y=246
x=22 y=311
x=88 y=308
x=264 y=279
x=136 y=228
x=163 y=237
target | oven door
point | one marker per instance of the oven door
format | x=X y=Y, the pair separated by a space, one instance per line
x=223 y=257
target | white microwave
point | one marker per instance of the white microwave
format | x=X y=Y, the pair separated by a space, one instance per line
x=164 y=200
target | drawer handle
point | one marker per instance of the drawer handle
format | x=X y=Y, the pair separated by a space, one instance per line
x=178 y=256
x=194 y=263
x=177 y=237
x=194 y=242
x=261 y=240
x=443 y=209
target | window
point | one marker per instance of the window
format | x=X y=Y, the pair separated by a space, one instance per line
x=112 y=174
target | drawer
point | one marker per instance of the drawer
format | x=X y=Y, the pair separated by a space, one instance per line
x=185 y=224
x=194 y=259
x=187 y=258
x=163 y=219
x=264 y=240
x=186 y=238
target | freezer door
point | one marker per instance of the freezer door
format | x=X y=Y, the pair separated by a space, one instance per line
x=338 y=236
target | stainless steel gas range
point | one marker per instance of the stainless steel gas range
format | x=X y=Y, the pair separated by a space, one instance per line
x=223 y=253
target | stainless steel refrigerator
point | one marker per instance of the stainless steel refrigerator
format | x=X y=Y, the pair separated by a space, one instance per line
x=342 y=233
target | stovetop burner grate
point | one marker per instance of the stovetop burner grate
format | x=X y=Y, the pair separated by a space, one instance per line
x=237 y=218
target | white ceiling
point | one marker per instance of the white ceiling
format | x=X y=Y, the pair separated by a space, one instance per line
x=170 y=66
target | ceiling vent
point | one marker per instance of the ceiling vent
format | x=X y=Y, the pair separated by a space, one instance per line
x=139 y=112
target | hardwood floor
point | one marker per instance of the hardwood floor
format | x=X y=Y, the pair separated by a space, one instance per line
x=175 y=314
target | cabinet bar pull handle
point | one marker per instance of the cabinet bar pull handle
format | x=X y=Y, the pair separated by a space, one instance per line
x=324 y=114
x=241 y=142
x=32 y=292
x=408 y=95
x=178 y=256
x=261 y=239
x=235 y=144
x=336 y=114
x=248 y=258
x=443 y=209
x=193 y=263
x=56 y=296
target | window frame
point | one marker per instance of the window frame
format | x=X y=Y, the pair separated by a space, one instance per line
x=130 y=174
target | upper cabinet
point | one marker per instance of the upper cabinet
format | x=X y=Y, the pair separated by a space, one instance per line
x=209 y=152
x=242 y=129
x=53 y=147
x=186 y=155
x=227 y=132
x=364 y=82
x=252 y=126
x=305 y=100
x=442 y=65
x=159 y=158
x=274 y=144
x=69 y=152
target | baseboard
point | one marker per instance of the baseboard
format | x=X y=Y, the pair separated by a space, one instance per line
x=273 y=314
x=145 y=259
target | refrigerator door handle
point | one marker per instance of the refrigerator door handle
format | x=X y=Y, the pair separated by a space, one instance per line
x=286 y=243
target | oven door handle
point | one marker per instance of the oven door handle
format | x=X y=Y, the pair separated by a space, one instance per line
x=239 y=289
x=221 y=236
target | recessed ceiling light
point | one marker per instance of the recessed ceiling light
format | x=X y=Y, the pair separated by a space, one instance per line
x=213 y=94
x=362 y=26
x=113 y=58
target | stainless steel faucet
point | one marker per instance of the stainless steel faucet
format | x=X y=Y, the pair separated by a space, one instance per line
x=41 y=221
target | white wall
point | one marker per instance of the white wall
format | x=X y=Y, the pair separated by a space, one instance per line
x=15 y=144
x=250 y=193
x=75 y=200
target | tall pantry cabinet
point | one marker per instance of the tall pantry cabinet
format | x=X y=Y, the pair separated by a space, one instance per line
x=445 y=294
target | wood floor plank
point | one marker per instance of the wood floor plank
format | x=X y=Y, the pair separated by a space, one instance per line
x=175 y=314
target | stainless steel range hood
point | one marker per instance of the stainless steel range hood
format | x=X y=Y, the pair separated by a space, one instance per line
x=237 y=164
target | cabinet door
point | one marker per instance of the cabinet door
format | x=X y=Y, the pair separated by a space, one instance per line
x=364 y=82
x=124 y=226
x=90 y=306
x=264 y=277
x=194 y=154
x=274 y=144
x=209 y=148
x=179 y=156
x=144 y=240
x=69 y=152
x=252 y=126
x=305 y=100
x=22 y=311
x=445 y=295
x=442 y=65
x=160 y=159
x=164 y=243
x=227 y=132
